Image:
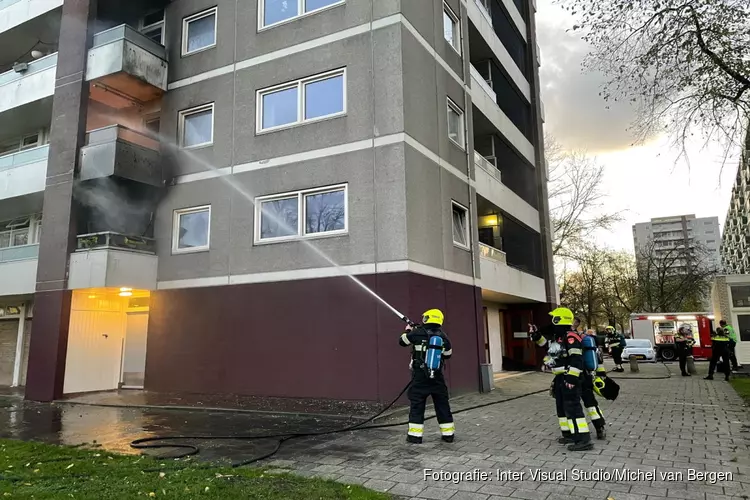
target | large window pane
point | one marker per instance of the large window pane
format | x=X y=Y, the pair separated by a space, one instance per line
x=275 y=11
x=280 y=108
x=20 y=237
x=197 y=128
x=5 y=239
x=325 y=212
x=455 y=126
x=449 y=29
x=201 y=33
x=311 y=5
x=279 y=218
x=324 y=97
x=740 y=296
x=193 y=228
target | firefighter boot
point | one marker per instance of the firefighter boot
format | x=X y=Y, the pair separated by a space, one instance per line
x=414 y=439
x=581 y=446
x=566 y=438
x=601 y=433
x=710 y=377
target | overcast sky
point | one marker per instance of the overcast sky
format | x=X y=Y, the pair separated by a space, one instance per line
x=643 y=181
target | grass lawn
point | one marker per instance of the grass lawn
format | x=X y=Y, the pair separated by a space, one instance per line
x=742 y=386
x=41 y=471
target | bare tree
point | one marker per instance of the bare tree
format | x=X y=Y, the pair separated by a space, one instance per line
x=575 y=197
x=673 y=278
x=683 y=63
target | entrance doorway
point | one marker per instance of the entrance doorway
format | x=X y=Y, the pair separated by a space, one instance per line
x=134 y=350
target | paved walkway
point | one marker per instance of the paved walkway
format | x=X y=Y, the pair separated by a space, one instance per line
x=676 y=426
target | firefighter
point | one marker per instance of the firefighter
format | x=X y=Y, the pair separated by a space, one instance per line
x=428 y=380
x=615 y=342
x=684 y=342
x=565 y=358
x=719 y=349
x=590 y=403
x=732 y=343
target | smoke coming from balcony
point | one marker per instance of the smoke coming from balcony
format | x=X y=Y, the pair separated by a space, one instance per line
x=117 y=205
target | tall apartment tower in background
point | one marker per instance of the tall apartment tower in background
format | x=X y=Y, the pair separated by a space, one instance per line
x=665 y=234
x=181 y=158
x=735 y=242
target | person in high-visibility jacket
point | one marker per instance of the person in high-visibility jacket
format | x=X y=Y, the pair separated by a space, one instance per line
x=565 y=358
x=615 y=342
x=732 y=343
x=590 y=404
x=719 y=350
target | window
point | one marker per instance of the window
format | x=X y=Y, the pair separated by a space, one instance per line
x=17 y=144
x=740 y=296
x=313 y=98
x=16 y=232
x=455 y=123
x=199 y=32
x=196 y=126
x=153 y=125
x=308 y=213
x=278 y=11
x=152 y=26
x=451 y=28
x=192 y=229
x=460 y=228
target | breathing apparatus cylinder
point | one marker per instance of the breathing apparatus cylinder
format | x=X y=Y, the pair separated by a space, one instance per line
x=434 y=354
x=589 y=353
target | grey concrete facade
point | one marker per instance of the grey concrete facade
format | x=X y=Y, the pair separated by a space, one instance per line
x=390 y=148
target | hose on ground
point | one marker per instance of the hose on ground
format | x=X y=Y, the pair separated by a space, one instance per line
x=156 y=442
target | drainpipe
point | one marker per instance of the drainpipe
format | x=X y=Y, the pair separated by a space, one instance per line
x=19 y=347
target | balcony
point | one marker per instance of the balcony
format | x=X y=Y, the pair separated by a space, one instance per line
x=489 y=185
x=23 y=173
x=123 y=65
x=18 y=269
x=111 y=260
x=503 y=283
x=485 y=101
x=24 y=86
x=16 y=12
x=122 y=152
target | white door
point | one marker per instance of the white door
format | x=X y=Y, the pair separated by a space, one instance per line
x=134 y=353
x=94 y=351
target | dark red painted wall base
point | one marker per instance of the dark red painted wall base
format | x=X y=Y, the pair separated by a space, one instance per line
x=317 y=338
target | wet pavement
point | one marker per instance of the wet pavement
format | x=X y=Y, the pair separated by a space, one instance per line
x=659 y=425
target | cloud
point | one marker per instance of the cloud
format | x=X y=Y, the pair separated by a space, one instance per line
x=576 y=115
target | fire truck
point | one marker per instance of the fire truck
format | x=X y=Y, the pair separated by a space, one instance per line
x=660 y=328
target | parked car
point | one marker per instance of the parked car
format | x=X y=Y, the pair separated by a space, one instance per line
x=642 y=349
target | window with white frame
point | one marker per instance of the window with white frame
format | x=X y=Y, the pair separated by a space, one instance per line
x=312 y=212
x=19 y=231
x=451 y=28
x=199 y=32
x=460 y=225
x=18 y=144
x=309 y=99
x=278 y=11
x=191 y=231
x=196 y=126
x=456 y=131
x=152 y=26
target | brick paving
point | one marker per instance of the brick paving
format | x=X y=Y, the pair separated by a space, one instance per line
x=664 y=432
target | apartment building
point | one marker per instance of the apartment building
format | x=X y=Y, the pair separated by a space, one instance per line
x=178 y=178
x=735 y=241
x=664 y=235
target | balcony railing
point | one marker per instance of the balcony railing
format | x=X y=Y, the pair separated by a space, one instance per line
x=481 y=82
x=482 y=162
x=14 y=160
x=492 y=253
x=125 y=32
x=22 y=252
x=112 y=133
x=95 y=241
x=33 y=67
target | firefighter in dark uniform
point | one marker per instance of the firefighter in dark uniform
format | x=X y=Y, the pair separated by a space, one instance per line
x=565 y=358
x=683 y=342
x=719 y=349
x=615 y=342
x=425 y=382
x=591 y=405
